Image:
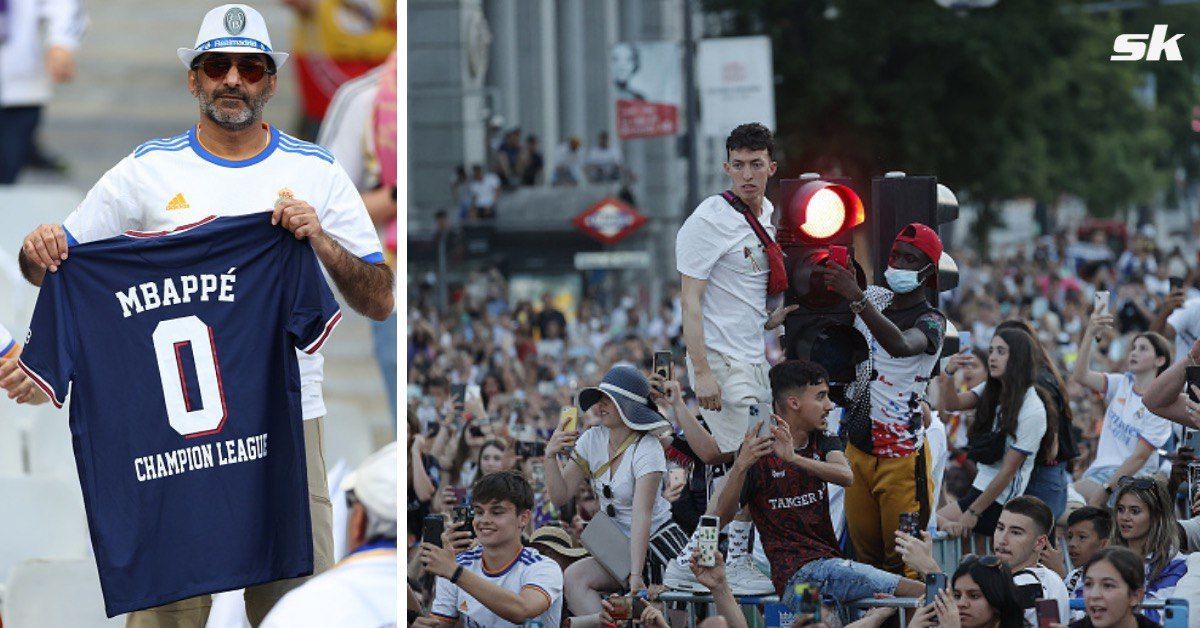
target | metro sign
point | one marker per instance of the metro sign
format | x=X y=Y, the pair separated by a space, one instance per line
x=610 y=220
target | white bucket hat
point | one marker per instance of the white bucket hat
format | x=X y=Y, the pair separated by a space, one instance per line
x=234 y=28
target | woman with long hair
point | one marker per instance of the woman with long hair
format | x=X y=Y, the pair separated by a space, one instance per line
x=1130 y=433
x=1051 y=475
x=1010 y=420
x=1145 y=523
x=985 y=595
x=1113 y=586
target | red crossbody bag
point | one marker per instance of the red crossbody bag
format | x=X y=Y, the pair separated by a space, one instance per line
x=777 y=281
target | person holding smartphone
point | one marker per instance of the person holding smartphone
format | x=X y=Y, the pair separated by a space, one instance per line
x=781 y=480
x=1131 y=434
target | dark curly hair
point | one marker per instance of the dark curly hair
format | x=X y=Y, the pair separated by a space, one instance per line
x=751 y=136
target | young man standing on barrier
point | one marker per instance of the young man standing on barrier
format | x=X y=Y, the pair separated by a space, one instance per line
x=1022 y=534
x=884 y=424
x=781 y=481
x=726 y=276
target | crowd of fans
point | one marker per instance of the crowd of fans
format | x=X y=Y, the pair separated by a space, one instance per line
x=1055 y=437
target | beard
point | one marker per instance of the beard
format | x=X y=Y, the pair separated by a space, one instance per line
x=232 y=120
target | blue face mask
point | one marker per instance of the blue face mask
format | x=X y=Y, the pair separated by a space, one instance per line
x=902 y=281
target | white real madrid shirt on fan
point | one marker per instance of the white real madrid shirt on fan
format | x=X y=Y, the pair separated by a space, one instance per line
x=529 y=570
x=8 y=346
x=716 y=244
x=168 y=183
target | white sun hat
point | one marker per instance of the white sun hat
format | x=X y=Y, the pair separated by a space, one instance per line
x=233 y=28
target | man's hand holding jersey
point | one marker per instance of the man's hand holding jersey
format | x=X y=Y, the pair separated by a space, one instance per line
x=18 y=385
x=366 y=286
x=46 y=247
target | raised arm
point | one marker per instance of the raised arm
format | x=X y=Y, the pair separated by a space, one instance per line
x=949 y=399
x=1081 y=372
x=900 y=344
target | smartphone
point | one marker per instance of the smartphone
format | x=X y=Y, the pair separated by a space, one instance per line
x=1047 y=613
x=458 y=393
x=1175 y=613
x=910 y=522
x=765 y=420
x=1100 y=302
x=663 y=366
x=709 y=530
x=840 y=255
x=464 y=519
x=1176 y=282
x=1191 y=438
x=431 y=532
x=964 y=342
x=460 y=496
x=934 y=584
x=538 y=472
x=568 y=418
x=1192 y=379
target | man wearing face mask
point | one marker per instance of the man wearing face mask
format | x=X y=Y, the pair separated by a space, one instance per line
x=883 y=425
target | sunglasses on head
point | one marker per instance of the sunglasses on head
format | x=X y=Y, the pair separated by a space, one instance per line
x=986 y=561
x=217 y=67
x=1141 y=484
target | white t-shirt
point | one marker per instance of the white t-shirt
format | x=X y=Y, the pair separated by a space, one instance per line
x=174 y=182
x=484 y=190
x=8 y=346
x=939 y=455
x=1031 y=426
x=360 y=591
x=716 y=244
x=644 y=456
x=1125 y=422
x=528 y=570
x=603 y=157
x=1038 y=582
x=1186 y=322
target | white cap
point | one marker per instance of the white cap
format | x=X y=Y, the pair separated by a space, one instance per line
x=234 y=28
x=374 y=482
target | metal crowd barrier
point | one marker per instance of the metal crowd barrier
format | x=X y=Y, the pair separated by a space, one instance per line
x=948 y=550
x=692 y=599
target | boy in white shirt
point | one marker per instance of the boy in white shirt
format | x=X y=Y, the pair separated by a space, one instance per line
x=500 y=582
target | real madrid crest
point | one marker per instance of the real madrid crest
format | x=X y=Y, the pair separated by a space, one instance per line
x=235 y=21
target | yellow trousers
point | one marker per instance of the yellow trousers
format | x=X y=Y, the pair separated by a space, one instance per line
x=882 y=489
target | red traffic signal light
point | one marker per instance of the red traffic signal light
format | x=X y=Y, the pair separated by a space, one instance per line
x=819 y=211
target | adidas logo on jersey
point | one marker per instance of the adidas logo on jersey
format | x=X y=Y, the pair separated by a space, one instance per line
x=178 y=203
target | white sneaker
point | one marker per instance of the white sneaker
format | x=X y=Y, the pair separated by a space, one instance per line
x=745 y=578
x=680 y=578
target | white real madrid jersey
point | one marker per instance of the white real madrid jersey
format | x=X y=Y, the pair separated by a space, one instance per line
x=173 y=182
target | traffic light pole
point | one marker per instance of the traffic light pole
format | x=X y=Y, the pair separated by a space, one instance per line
x=693 y=110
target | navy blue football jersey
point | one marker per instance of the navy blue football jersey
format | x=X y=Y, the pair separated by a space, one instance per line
x=180 y=352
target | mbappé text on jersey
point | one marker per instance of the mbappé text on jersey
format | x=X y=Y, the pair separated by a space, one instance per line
x=149 y=296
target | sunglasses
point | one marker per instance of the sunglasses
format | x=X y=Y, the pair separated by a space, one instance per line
x=1141 y=484
x=251 y=69
x=609 y=509
x=986 y=561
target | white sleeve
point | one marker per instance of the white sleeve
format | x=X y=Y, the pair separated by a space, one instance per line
x=66 y=22
x=586 y=447
x=649 y=457
x=1184 y=318
x=7 y=344
x=108 y=210
x=546 y=576
x=1031 y=424
x=445 y=599
x=344 y=217
x=698 y=246
x=1112 y=386
x=343 y=131
x=1155 y=429
x=978 y=390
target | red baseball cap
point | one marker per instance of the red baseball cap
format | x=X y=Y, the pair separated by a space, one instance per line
x=926 y=240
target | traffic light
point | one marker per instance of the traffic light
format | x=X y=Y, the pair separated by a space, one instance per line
x=815 y=229
x=899 y=200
